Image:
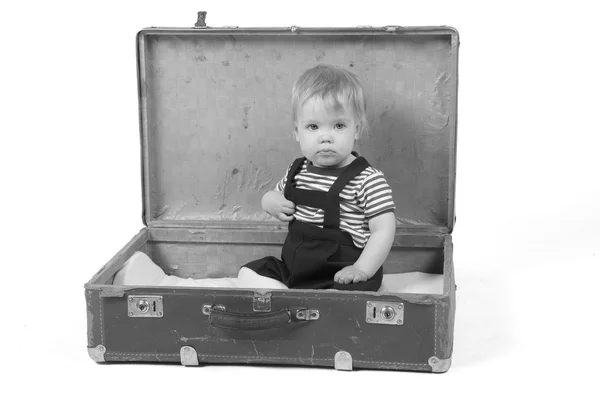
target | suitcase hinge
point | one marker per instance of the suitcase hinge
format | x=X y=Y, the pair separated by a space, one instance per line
x=261 y=302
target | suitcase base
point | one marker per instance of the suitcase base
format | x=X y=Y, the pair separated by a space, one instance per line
x=190 y=334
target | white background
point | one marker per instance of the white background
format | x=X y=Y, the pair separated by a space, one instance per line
x=527 y=241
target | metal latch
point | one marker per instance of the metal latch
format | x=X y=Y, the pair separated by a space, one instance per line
x=145 y=306
x=261 y=302
x=383 y=312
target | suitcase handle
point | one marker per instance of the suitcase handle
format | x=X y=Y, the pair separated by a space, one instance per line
x=259 y=321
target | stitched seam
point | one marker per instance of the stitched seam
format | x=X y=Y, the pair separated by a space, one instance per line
x=112 y=353
x=101 y=321
x=388 y=362
x=353 y=299
x=88 y=296
x=264 y=358
x=435 y=331
x=267 y=358
x=307 y=359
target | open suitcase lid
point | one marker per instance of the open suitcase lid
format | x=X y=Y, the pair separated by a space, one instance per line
x=216 y=125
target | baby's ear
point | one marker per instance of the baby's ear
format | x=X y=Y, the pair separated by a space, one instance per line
x=358 y=130
x=295 y=131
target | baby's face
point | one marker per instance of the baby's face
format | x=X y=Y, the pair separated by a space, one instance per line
x=326 y=136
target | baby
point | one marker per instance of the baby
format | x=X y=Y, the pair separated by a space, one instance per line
x=339 y=208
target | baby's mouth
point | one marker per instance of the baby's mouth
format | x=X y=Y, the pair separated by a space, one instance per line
x=326 y=151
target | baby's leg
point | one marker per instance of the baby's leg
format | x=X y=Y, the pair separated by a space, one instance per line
x=247 y=278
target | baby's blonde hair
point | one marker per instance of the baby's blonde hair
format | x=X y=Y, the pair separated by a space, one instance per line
x=337 y=88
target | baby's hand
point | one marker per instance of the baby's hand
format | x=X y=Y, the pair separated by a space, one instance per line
x=350 y=274
x=278 y=206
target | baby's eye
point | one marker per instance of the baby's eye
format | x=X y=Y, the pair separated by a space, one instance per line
x=312 y=127
x=339 y=126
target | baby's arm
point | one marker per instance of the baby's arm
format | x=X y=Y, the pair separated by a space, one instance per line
x=275 y=203
x=383 y=230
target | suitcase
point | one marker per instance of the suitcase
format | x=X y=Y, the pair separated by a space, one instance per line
x=215 y=122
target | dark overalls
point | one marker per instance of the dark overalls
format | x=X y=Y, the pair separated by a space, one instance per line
x=312 y=255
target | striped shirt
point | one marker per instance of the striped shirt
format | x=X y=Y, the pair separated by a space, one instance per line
x=364 y=197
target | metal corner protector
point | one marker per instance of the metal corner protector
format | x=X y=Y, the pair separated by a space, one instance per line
x=188 y=356
x=440 y=365
x=343 y=361
x=97 y=353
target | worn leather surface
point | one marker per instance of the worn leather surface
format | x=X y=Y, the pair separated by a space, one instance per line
x=342 y=326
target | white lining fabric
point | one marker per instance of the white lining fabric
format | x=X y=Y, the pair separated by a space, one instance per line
x=140 y=270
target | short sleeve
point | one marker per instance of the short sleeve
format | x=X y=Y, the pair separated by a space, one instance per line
x=377 y=195
x=281 y=184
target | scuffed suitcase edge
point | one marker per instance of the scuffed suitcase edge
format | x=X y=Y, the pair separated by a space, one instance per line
x=445 y=309
x=208 y=359
x=95 y=315
x=96 y=289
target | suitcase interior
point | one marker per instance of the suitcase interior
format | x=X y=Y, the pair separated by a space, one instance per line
x=216 y=129
x=188 y=253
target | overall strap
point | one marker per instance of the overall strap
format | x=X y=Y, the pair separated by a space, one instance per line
x=294 y=169
x=332 y=202
x=310 y=198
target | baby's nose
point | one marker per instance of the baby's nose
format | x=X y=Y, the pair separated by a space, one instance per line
x=325 y=137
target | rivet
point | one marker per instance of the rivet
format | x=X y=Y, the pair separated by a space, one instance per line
x=369 y=305
x=160 y=314
x=434 y=360
x=399 y=322
x=130 y=314
x=101 y=348
x=368 y=319
x=401 y=306
x=131 y=299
